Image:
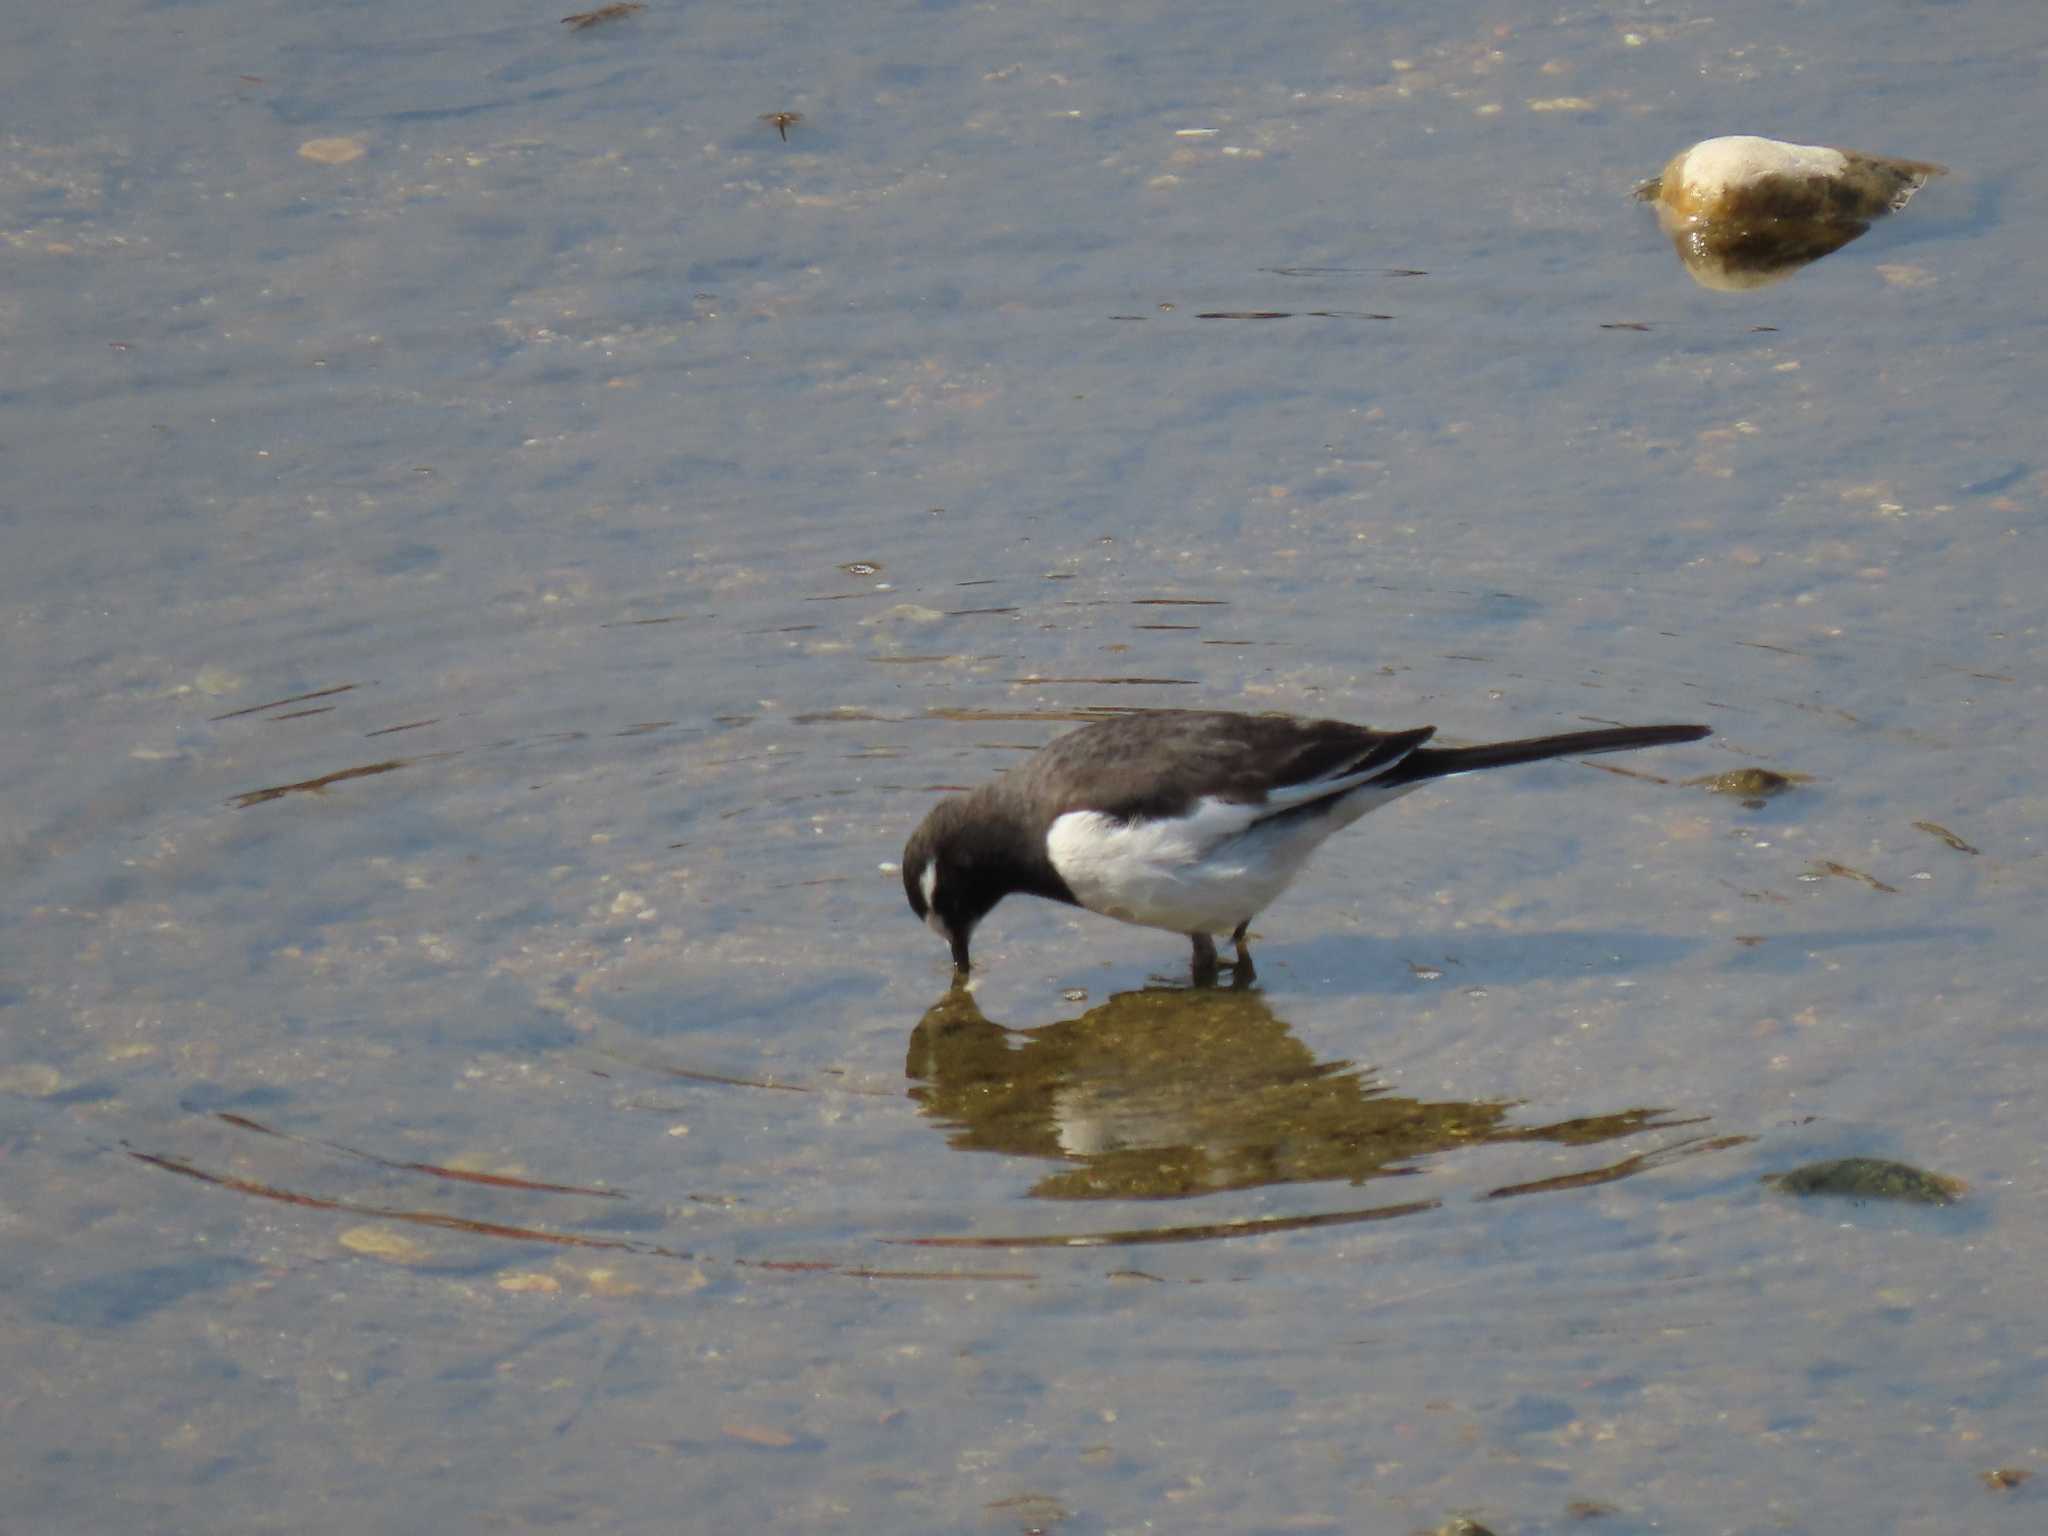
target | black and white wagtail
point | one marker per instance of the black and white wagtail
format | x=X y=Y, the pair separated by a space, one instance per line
x=1190 y=821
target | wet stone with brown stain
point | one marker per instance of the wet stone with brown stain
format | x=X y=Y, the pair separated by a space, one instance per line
x=1743 y=211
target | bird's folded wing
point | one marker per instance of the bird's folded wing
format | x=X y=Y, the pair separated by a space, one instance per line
x=1217 y=819
x=1388 y=753
x=1307 y=797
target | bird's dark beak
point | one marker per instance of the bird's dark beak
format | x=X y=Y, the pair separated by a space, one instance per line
x=960 y=961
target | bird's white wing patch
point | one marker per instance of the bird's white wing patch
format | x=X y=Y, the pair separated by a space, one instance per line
x=1292 y=795
x=1205 y=872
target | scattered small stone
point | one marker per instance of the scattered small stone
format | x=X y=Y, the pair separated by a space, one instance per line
x=1032 y=1511
x=759 y=1434
x=332 y=151
x=904 y=613
x=529 y=1282
x=383 y=1243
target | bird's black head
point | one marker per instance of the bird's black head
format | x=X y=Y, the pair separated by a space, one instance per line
x=957 y=865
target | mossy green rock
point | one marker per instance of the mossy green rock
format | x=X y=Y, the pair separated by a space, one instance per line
x=1869 y=1178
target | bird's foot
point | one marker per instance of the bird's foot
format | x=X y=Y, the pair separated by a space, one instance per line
x=1206 y=965
x=1242 y=970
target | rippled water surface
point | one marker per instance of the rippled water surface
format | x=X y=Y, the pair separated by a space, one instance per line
x=500 y=545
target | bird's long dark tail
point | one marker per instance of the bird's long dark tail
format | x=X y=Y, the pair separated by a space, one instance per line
x=1439 y=762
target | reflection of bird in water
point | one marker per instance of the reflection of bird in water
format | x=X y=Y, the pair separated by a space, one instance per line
x=1743 y=211
x=1187 y=820
x=1172 y=1092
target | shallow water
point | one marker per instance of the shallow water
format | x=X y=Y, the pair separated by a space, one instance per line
x=482 y=616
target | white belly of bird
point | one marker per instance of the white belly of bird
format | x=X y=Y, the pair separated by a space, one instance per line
x=1204 y=873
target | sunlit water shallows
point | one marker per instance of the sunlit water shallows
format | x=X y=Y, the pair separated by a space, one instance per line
x=508 y=525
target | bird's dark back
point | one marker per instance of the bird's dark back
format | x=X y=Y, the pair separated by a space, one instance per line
x=1162 y=763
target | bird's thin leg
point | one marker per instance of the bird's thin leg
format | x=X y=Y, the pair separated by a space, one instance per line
x=1205 y=959
x=1244 y=970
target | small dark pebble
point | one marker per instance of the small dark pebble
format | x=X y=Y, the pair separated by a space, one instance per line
x=1750 y=783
